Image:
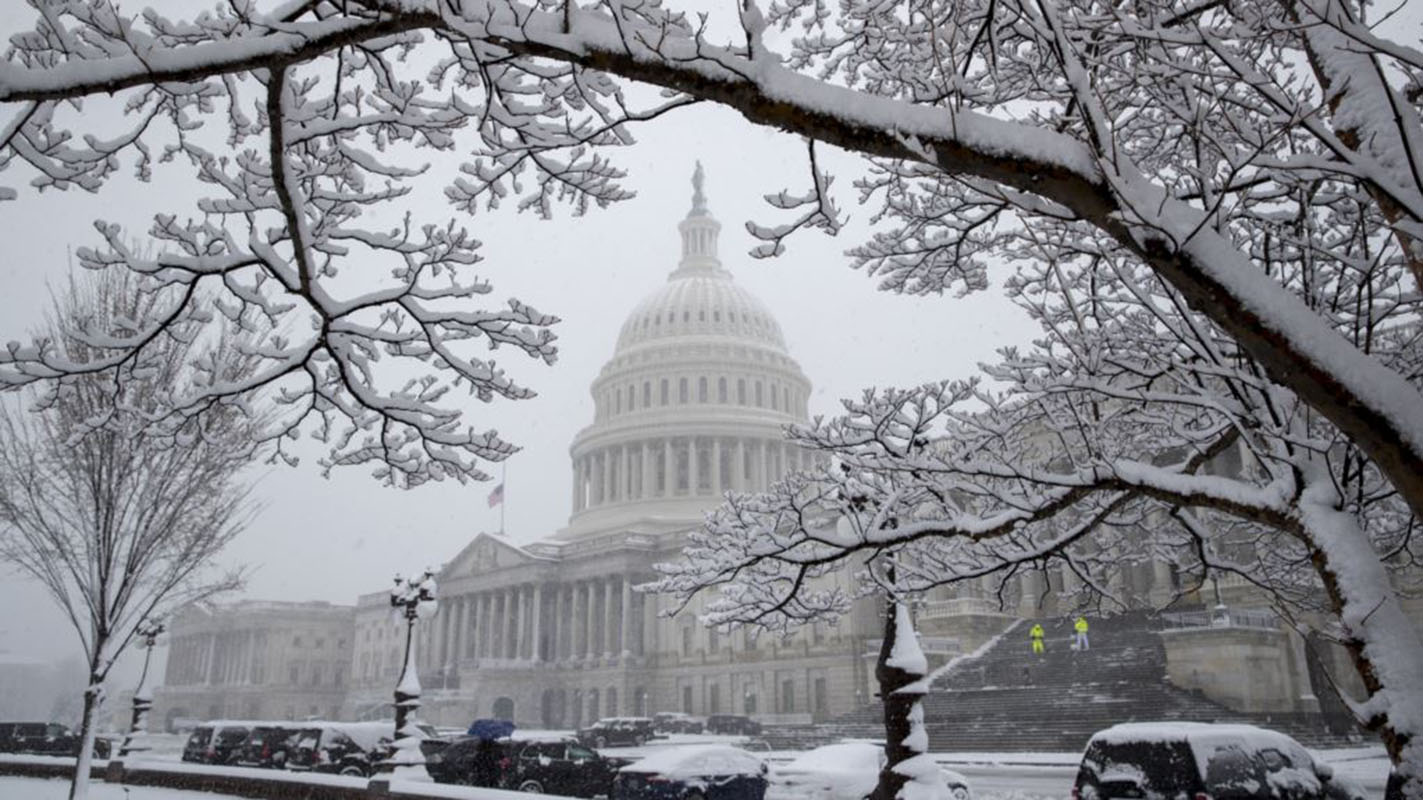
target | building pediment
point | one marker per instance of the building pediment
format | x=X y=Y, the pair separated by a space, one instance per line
x=486 y=554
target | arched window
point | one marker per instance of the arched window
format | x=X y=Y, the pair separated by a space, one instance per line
x=632 y=397
x=741 y=391
x=646 y=393
x=775 y=405
x=759 y=400
x=702 y=389
x=786 y=398
x=721 y=390
x=618 y=402
x=664 y=391
x=682 y=392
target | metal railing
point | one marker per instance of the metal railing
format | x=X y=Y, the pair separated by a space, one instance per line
x=1223 y=617
x=931 y=609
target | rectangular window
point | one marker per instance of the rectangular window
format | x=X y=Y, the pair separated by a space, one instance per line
x=701 y=390
x=713 y=641
x=787 y=696
x=664 y=391
x=646 y=393
x=714 y=699
x=741 y=391
x=687 y=640
x=721 y=390
x=682 y=391
x=293 y=673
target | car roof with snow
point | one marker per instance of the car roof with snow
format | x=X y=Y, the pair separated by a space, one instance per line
x=1189 y=732
x=687 y=761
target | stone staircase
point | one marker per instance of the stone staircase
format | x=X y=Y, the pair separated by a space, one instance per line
x=1010 y=699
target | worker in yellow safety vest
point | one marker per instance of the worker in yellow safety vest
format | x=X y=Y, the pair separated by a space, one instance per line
x=1037 y=634
x=1081 y=627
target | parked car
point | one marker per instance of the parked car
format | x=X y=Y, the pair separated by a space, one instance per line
x=677 y=722
x=618 y=732
x=343 y=748
x=268 y=746
x=693 y=772
x=45 y=738
x=218 y=742
x=1224 y=762
x=560 y=766
x=733 y=724
x=844 y=771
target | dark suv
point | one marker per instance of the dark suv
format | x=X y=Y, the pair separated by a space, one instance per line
x=267 y=746
x=547 y=766
x=1192 y=759
x=45 y=738
x=216 y=742
x=618 y=732
x=732 y=724
x=344 y=748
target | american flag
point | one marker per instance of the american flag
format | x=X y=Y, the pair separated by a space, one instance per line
x=497 y=496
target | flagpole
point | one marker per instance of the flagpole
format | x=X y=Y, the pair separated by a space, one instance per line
x=503 y=498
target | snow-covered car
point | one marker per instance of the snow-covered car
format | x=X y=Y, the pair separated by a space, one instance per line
x=844 y=771
x=693 y=772
x=677 y=722
x=1196 y=759
x=345 y=748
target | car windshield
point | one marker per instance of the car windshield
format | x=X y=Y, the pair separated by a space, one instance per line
x=1156 y=768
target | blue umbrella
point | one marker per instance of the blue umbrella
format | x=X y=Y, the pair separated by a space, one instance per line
x=491 y=728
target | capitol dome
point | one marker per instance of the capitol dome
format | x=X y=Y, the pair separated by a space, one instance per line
x=692 y=403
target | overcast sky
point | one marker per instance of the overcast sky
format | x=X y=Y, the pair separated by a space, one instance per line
x=331 y=539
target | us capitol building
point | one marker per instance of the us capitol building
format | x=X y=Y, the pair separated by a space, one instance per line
x=552 y=634
x=691 y=404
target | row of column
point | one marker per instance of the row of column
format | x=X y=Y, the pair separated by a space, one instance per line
x=597 y=618
x=680 y=466
x=211 y=658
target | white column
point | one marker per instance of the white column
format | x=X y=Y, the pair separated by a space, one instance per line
x=738 y=466
x=511 y=619
x=669 y=467
x=555 y=650
x=590 y=639
x=537 y=636
x=626 y=616
x=646 y=491
x=629 y=485
x=530 y=613
x=717 y=488
x=693 y=471
x=610 y=641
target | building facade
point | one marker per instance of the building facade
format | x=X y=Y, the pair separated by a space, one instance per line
x=256 y=660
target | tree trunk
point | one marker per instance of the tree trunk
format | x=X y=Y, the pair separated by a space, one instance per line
x=1382 y=641
x=79 y=786
x=897 y=707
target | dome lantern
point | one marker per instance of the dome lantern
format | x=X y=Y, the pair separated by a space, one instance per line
x=699 y=234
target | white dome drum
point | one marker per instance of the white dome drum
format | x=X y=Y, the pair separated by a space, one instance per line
x=693 y=402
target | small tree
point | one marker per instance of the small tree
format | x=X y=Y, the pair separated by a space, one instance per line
x=117 y=517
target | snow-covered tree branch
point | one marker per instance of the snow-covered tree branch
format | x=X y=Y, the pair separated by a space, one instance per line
x=1187 y=137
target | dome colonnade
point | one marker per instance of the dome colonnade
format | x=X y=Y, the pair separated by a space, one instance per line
x=694 y=400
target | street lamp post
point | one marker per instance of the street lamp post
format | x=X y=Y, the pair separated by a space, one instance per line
x=414 y=598
x=148 y=630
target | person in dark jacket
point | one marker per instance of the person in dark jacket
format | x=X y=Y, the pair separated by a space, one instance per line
x=485 y=763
